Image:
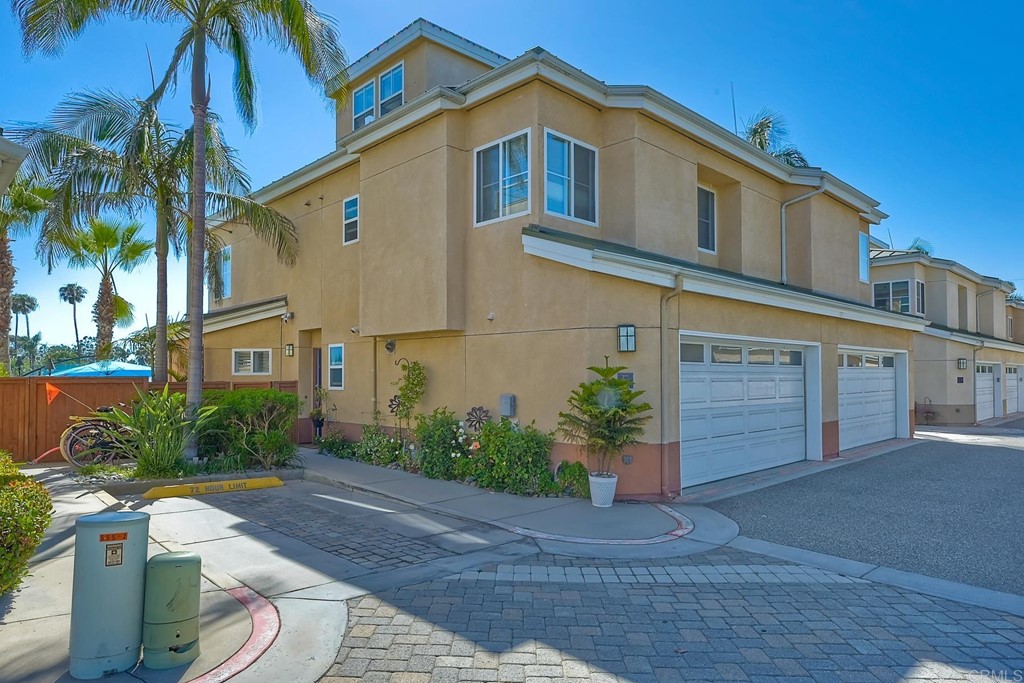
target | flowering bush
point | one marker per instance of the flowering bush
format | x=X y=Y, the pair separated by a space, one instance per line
x=515 y=459
x=442 y=445
x=377 y=447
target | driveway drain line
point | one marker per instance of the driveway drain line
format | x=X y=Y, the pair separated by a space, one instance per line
x=266 y=624
x=683 y=526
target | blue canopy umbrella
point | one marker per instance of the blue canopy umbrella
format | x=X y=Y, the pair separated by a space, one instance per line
x=106 y=368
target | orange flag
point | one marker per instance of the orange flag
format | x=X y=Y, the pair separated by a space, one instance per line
x=52 y=393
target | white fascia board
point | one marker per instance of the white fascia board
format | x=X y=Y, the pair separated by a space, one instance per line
x=997 y=344
x=244 y=317
x=711 y=284
x=944 y=264
x=425 y=106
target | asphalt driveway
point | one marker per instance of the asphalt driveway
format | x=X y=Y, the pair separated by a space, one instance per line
x=946 y=510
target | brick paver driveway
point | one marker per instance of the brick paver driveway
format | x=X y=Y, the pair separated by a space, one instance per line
x=942 y=509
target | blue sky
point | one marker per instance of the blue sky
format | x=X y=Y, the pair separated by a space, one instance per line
x=907 y=101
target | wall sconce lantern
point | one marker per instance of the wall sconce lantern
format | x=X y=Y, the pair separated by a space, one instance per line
x=289 y=350
x=627 y=338
x=961 y=363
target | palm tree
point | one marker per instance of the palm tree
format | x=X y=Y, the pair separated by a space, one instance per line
x=143 y=345
x=108 y=247
x=73 y=294
x=230 y=27
x=104 y=151
x=767 y=130
x=20 y=208
x=23 y=304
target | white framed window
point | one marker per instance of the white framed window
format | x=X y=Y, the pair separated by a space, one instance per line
x=392 y=89
x=920 y=297
x=893 y=296
x=336 y=366
x=865 y=257
x=501 y=179
x=570 y=184
x=225 y=272
x=706 y=237
x=250 y=362
x=350 y=222
x=1009 y=327
x=363 y=105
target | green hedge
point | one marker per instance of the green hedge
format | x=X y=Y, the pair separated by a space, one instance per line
x=251 y=428
x=25 y=512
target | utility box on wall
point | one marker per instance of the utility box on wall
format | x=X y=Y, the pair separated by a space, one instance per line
x=170 y=632
x=107 y=593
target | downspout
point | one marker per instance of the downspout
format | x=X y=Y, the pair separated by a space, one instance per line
x=666 y=490
x=785 y=247
x=375 y=378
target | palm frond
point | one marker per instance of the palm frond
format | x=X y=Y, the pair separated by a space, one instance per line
x=268 y=225
x=124 y=311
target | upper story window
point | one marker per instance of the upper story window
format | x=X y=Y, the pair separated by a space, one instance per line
x=502 y=178
x=865 y=257
x=1009 y=327
x=571 y=178
x=363 y=105
x=350 y=228
x=895 y=296
x=250 y=362
x=336 y=366
x=392 y=89
x=706 y=238
x=225 y=272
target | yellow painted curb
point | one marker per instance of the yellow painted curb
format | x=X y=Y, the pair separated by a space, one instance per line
x=226 y=486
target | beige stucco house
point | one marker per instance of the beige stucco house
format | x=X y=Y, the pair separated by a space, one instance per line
x=967 y=365
x=11 y=156
x=509 y=222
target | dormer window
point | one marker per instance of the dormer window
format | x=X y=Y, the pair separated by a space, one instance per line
x=895 y=296
x=363 y=106
x=392 y=89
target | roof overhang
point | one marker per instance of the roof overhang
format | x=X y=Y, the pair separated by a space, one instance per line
x=943 y=264
x=234 y=316
x=11 y=156
x=592 y=258
x=975 y=340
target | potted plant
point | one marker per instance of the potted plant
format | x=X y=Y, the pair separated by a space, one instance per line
x=320 y=411
x=604 y=418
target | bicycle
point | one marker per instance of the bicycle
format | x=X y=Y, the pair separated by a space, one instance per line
x=89 y=440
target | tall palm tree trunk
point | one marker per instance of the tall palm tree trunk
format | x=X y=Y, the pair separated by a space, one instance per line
x=31 y=349
x=197 y=251
x=6 y=289
x=74 y=319
x=159 y=359
x=103 y=312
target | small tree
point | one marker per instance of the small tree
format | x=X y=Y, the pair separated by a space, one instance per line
x=411 y=387
x=604 y=417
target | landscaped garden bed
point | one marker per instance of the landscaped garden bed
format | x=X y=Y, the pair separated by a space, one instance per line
x=25 y=513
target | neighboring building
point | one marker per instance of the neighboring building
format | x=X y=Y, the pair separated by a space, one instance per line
x=510 y=222
x=967 y=366
x=11 y=156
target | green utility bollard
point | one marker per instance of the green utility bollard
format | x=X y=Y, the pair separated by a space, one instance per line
x=170 y=628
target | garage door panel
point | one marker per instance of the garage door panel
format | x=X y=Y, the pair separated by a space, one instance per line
x=867 y=405
x=985 y=392
x=693 y=391
x=762 y=389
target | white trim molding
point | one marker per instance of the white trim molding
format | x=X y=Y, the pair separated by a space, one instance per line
x=971 y=340
x=215 y=321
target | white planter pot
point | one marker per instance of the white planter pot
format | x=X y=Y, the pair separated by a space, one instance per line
x=602 y=490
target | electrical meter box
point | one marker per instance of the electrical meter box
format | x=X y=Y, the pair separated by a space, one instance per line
x=107 y=593
x=170 y=630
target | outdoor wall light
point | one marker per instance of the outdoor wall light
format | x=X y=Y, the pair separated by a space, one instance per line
x=627 y=338
x=289 y=350
x=390 y=345
x=961 y=363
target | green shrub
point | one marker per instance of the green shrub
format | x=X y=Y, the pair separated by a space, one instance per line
x=336 y=445
x=377 y=447
x=251 y=428
x=154 y=432
x=25 y=512
x=514 y=458
x=574 y=479
x=441 y=443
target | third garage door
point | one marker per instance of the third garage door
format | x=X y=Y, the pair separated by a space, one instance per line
x=867 y=398
x=741 y=408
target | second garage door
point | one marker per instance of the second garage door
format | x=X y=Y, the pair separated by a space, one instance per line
x=984 y=391
x=867 y=398
x=741 y=409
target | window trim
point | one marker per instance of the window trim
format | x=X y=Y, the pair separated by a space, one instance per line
x=864 y=257
x=911 y=296
x=373 y=82
x=226 y=282
x=250 y=351
x=920 y=298
x=345 y=221
x=1009 y=327
x=331 y=366
x=379 y=99
x=529 y=177
x=714 y=221
x=597 y=177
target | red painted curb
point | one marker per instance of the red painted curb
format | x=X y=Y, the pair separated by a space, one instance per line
x=266 y=624
x=683 y=527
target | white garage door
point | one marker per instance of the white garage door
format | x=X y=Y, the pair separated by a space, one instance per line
x=741 y=409
x=867 y=398
x=984 y=392
x=1012 y=389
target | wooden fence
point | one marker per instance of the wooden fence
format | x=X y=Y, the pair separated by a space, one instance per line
x=29 y=426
